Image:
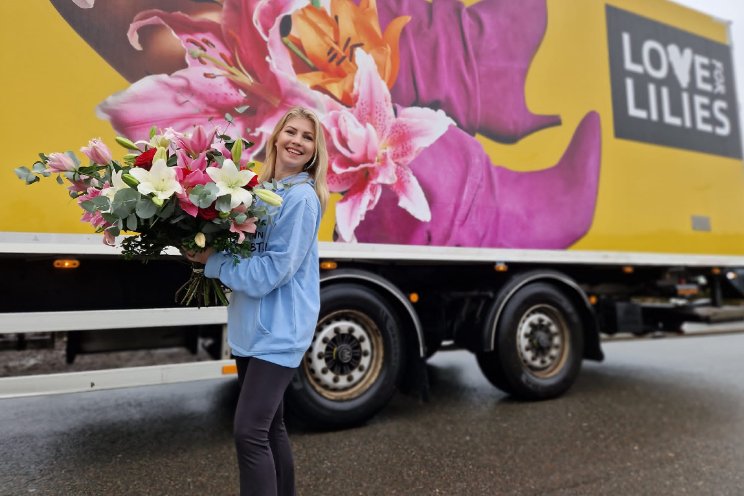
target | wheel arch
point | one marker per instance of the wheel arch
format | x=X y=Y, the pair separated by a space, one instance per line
x=592 y=348
x=386 y=289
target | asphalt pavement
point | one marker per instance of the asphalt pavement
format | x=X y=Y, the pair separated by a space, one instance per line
x=658 y=417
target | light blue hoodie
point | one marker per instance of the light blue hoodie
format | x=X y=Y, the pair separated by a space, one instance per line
x=275 y=298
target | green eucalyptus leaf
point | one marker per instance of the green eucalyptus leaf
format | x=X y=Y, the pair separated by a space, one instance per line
x=101 y=202
x=203 y=195
x=110 y=218
x=172 y=161
x=132 y=222
x=25 y=175
x=60 y=180
x=125 y=202
x=88 y=206
x=145 y=208
x=38 y=167
x=114 y=230
x=223 y=203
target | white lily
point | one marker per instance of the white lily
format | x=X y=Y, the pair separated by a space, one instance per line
x=230 y=181
x=117 y=184
x=160 y=180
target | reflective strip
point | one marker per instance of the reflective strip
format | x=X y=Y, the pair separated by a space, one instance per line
x=93 y=380
x=11 y=323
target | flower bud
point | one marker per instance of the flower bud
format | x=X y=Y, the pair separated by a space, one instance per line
x=268 y=196
x=237 y=150
x=223 y=215
x=97 y=152
x=130 y=180
x=159 y=141
x=126 y=143
x=60 y=162
x=200 y=240
x=161 y=153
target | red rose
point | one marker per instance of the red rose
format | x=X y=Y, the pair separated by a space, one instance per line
x=252 y=183
x=209 y=213
x=144 y=160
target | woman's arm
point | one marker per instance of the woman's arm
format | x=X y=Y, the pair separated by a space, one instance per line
x=290 y=239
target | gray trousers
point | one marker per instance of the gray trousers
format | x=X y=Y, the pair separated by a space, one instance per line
x=264 y=453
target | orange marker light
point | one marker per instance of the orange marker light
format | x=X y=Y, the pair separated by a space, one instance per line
x=66 y=263
x=500 y=267
x=229 y=369
x=328 y=265
x=628 y=269
x=413 y=297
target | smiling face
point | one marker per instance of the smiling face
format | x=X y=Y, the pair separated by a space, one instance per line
x=295 y=146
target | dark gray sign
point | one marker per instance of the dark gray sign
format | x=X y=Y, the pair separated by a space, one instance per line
x=671 y=87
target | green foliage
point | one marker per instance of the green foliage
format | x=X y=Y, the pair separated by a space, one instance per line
x=24 y=174
x=223 y=203
x=145 y=208
x=125 y=202
x=203 y=195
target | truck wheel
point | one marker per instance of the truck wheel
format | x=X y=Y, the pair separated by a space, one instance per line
x=539 y=344
x=351 y=369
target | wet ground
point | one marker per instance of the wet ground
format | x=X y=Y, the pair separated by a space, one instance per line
x=658 y=417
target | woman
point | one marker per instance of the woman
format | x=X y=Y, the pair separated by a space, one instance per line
x=275 y=301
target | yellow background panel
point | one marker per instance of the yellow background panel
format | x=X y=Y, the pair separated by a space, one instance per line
x=53 y=82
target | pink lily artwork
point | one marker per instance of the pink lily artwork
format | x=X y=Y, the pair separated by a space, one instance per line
x=371 y=148
x=228 y=81
x=402 y=88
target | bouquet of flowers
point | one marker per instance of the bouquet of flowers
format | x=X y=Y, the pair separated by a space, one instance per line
x=182 y=190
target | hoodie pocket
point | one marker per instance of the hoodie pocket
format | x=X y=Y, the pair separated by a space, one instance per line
x=276 y=313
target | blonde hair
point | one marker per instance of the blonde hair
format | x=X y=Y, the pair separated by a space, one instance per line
x=317 y=167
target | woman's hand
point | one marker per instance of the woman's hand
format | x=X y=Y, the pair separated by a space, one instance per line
x=198 y=256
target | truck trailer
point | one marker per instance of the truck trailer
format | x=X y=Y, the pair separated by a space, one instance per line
x=563 y=171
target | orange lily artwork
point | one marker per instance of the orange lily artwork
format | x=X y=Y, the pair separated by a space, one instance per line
x=323 y=45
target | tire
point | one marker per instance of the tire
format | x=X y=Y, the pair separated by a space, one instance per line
x=539 y=344
x=352 y=367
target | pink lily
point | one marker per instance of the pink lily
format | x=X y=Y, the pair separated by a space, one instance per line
x=60 y=162
x=199 y=141
x=190 y=180
x=185 y=164
x=228 y=73
x=95 y=218
x=97 y=152
x=247 y=226
x=371 y=147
